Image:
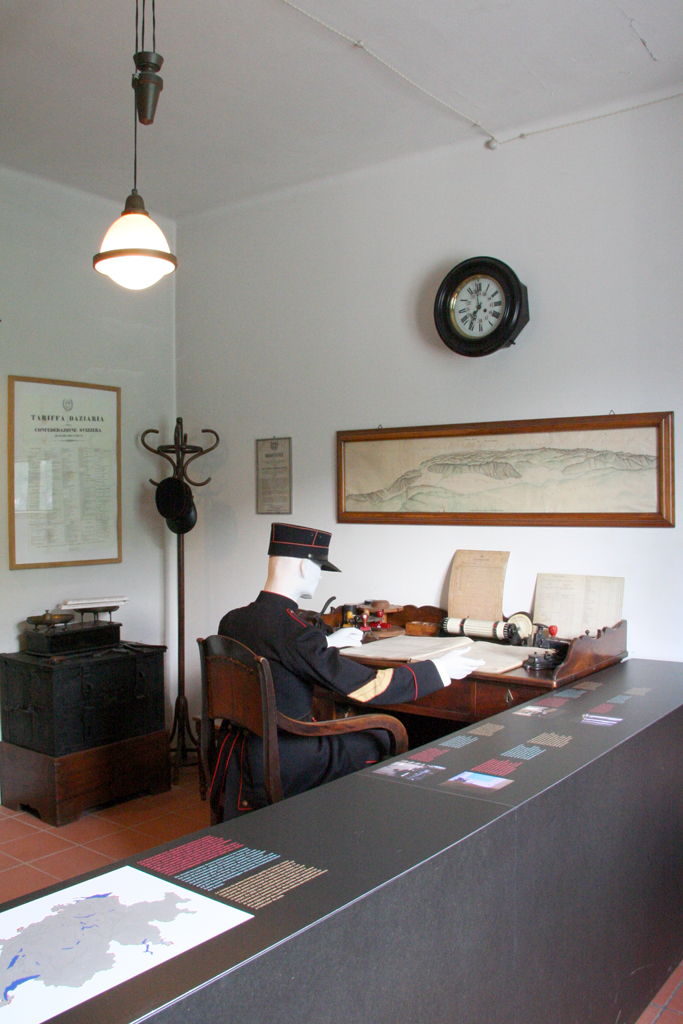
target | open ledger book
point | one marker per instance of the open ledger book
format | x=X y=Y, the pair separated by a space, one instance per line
x=496 y=658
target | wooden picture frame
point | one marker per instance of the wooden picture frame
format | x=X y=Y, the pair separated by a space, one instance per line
x=64 y=475
x=579 y=471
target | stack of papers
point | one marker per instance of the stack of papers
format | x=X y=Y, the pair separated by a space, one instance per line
x=578 y=604
x=93 y=602
x=496 y=658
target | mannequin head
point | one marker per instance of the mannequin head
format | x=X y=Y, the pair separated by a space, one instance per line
x=295 y=578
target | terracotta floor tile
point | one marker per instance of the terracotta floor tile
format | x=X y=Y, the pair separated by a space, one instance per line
x=190 y=792
x=669 y=986
x=6 y=812
x=179 y=804
x=676 y=1000
x=195 y=812
x=189 y=779
x=668 y=1017
x=88 y=828
x=123 y=844
x=161 y=801
x=132 y=813
x=648 y=1015
x=182 y=799
x=32 y=819
x=23 y=879
x=40 y=844
x=10 y=828
x=70 y=863
x=199 y=817
x=7 y=862
x=164 y=829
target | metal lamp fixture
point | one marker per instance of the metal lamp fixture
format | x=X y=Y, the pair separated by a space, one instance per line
x=134 y=252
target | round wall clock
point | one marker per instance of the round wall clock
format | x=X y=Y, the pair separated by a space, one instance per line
x=481 y=306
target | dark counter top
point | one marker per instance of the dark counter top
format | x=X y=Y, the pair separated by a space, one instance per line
x=391 y=826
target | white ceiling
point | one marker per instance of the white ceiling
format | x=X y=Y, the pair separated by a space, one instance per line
x=258 y=97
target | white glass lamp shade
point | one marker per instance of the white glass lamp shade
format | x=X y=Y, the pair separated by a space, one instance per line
x=134 y=252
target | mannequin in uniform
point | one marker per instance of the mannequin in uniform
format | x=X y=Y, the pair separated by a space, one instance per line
x=301 y=656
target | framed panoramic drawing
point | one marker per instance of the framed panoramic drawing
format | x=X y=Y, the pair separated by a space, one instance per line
x=64 y=473
x=580 y=471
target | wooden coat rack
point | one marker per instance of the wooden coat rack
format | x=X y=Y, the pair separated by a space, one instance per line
x=186 y=743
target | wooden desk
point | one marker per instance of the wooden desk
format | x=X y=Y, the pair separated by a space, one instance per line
x=481 y=695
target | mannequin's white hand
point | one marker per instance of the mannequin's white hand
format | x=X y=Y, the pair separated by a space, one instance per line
x=455 y=666
x=348 y=637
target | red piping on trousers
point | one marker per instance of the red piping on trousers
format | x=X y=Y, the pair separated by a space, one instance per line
x=225 y=770
x=239 y=795
x=414 y=677
x=218 y=759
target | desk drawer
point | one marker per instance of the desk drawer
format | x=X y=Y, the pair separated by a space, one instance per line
x=456 y=699
x=492 y=698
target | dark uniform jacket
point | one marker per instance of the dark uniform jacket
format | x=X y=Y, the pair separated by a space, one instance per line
x=299 y=659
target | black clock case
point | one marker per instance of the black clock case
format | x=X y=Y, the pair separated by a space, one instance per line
x=514 y=319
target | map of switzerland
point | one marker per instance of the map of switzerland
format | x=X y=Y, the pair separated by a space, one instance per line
x=60 y=950
x=72 y=946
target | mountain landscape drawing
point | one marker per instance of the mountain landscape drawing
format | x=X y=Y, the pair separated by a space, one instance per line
x=543 y=479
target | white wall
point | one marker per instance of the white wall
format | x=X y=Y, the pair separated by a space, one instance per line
x=310 y=312
x=61 y=320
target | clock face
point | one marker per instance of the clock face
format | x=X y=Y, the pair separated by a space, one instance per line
x=477 y=307
x=480 y=307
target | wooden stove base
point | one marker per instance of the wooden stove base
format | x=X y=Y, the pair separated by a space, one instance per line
x=59 y=789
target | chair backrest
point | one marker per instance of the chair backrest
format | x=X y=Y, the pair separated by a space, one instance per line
x=237 y=685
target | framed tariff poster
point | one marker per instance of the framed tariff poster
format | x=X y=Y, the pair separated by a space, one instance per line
x=64 y=473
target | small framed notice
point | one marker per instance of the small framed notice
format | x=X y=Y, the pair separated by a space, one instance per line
x=274 y=476
x=64 y=473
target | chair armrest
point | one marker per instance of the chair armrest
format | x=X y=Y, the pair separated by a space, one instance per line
x=342 y=726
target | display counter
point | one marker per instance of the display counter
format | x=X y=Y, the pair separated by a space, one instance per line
x=525 y=869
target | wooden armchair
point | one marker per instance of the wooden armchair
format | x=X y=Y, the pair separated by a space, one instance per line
x=237 y=685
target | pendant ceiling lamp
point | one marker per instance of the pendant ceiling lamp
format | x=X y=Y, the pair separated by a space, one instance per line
x=134 y=252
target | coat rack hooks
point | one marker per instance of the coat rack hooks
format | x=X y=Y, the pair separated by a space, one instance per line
x=180 y=448
x=186 y=750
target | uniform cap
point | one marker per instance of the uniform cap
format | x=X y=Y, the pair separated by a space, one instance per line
x=301 y=542
x=173 y=498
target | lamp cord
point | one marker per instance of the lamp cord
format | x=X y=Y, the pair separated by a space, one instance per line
x=135 y=143
x=139 y=46
x=493 y=141
x=375 y=56
x=140 y=42
x=135 y=102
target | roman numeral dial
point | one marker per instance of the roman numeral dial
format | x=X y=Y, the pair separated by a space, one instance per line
x=476 y=307
x=481 y=306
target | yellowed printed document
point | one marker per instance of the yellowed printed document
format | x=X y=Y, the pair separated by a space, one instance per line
x=476 y=586
x=578 y=604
